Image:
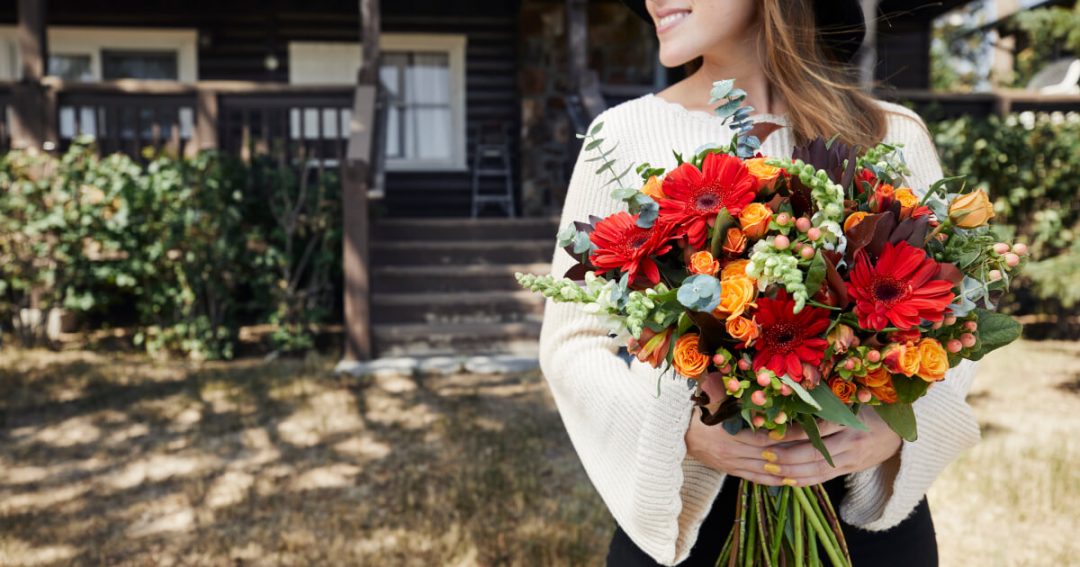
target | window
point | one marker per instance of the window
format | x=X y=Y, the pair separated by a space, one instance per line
x=424 y=75
x=419 y=114
x=71 y=67
x=93 y=54
x=122 y=64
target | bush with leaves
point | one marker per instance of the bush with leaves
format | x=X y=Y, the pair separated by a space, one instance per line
x=188 y=247
x=1030 y=164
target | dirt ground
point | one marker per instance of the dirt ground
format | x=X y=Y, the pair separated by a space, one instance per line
x=117 y=460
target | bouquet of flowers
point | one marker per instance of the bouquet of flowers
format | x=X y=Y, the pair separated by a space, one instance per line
x=791 y=290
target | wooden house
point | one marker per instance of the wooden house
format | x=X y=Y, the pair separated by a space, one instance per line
x=408 y=98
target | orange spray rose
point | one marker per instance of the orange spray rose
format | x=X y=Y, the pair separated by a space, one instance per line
x=933 y=360
x=736 y=295
x=703 y=263
x=754 y=220
x=686 y=359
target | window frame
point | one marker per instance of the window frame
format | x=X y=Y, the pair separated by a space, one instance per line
x=91 y=41
x=454 y=45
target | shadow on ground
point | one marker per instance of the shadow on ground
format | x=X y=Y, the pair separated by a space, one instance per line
x=119 y=460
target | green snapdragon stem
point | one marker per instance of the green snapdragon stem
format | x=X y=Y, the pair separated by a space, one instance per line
x=815 y=523
x=726 y=551
x=812 y=497
x=797 y=522
x=748 y=558
x=779 y=524
x=764 y=523
x=811 y=550
x=826 y=504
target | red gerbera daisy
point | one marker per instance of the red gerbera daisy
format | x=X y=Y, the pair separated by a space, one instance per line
x=623 y=245
x=899 y=288
x=789 y=339
x=693 y=197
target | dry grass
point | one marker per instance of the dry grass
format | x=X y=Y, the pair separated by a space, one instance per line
x=121 y=461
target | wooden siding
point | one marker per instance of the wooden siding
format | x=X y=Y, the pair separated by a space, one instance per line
x=236 y=36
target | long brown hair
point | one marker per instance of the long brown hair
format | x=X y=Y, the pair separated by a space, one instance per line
x=822 y=96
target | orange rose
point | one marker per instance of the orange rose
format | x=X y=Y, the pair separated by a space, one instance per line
x=754 y=220
x=734 y=269
x=687 y=360
x=901 y=358
x=703 y=263
x=886 y=393
x=971 y=210
x=933 y=360
x=654 y=188
x=882 y=198
x=765 y=174
x=743 y=329
x=842 y=388
x=907 y=199
x=876 y=378
x=735 y=243
x=736 y=294
x=854 y=219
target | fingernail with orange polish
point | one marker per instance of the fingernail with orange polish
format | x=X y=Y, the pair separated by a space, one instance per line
x=775 y=435
x=769 y=456
x=789 y=482
x=771 y=468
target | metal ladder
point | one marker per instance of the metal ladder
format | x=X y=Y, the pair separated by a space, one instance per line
x=491 y=159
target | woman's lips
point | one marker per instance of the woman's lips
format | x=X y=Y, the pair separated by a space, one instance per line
x=670 y=20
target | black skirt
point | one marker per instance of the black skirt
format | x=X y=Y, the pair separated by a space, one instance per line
x=910 y=543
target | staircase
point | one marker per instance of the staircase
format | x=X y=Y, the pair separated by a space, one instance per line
x=447 y=287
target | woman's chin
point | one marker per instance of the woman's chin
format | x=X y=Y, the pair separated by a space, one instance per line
x=674 y=56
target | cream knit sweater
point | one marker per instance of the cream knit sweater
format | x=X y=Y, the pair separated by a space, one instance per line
x=630 y=440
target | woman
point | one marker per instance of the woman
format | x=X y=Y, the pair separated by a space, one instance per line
x=665 y=476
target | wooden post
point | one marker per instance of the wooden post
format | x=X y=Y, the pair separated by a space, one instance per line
x=34 y=110
x=206 y=121
x=584 y=81
x=355 y=183
x=868 y=55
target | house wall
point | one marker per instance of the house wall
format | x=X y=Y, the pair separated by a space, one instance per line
x=237 y=38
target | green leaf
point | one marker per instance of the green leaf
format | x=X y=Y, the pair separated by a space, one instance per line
x=684 y=323
x=596 y=129
x=909 y=389
x=800 y=391
x=901 y=418
x=594 y=144
x=724 y=220
x=815 y=276
x=995 y=331
x=810 y=426
x=834 y=410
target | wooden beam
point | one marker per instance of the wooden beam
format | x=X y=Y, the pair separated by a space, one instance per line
x=33 y=109
x=355 y=183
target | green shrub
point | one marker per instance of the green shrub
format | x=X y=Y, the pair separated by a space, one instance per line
x=1030 y=164
x=187 y=248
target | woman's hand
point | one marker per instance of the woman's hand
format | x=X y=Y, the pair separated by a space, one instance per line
x=792 y=460
x=746 y=454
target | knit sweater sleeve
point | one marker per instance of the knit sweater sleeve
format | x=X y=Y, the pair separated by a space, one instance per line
x=626 y=422
x=883 y=496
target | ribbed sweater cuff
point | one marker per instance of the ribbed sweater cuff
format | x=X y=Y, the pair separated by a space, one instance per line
x=879 y=498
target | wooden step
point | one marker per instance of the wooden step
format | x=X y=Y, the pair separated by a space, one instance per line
x=396 y=230
x=460 y=253
x=460 y=307
x=449 y=278
x=416 y=339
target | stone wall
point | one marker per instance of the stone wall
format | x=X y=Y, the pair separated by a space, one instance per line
x=622 y=50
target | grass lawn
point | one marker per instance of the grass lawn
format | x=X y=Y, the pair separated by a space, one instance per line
x=121 y=461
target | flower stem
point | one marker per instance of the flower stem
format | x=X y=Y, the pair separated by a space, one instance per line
x=797 y=523
x=815 y=523
x=833 y=519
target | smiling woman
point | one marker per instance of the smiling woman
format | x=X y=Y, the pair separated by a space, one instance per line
x=669 y=480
